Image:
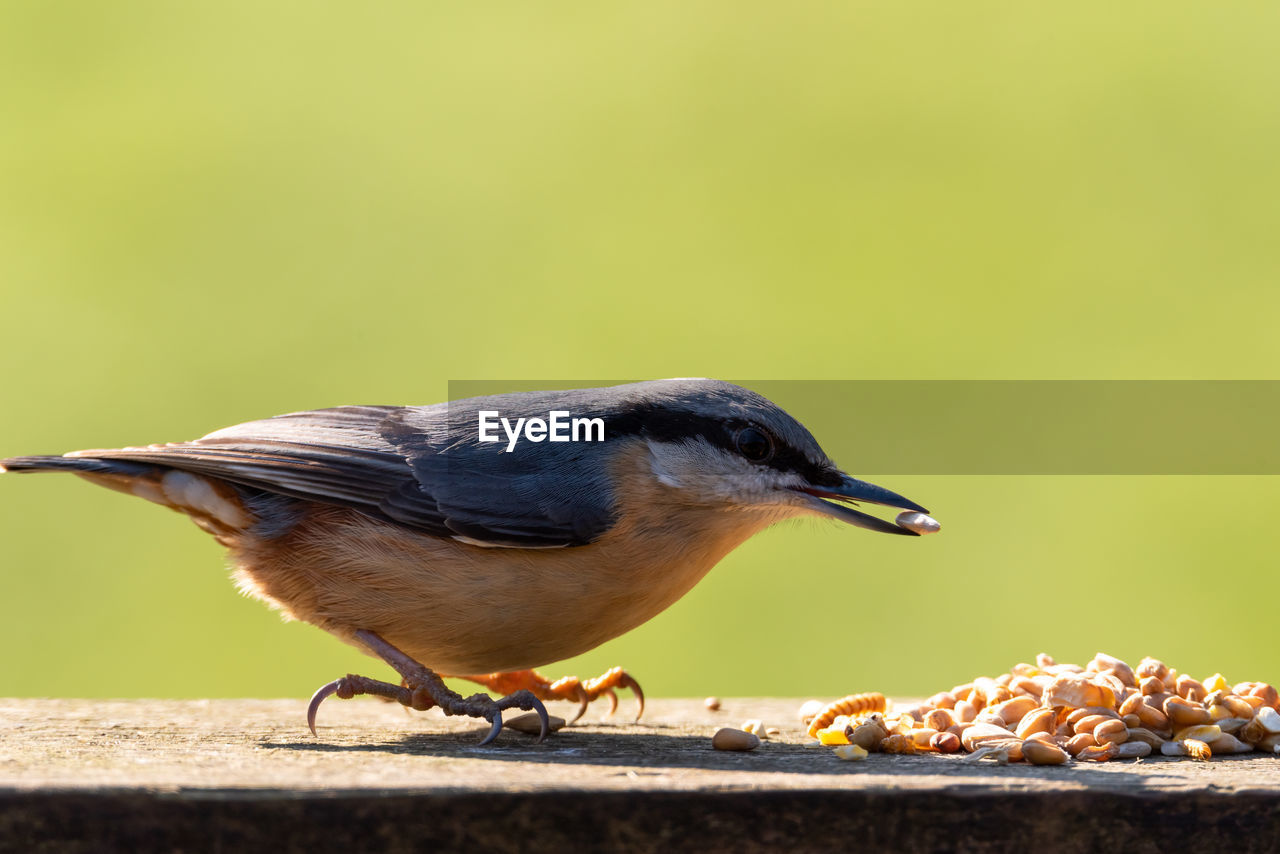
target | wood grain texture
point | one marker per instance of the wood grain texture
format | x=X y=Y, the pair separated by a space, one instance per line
x=85 y=775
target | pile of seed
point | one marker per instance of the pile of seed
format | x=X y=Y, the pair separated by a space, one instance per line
x=1046 y=713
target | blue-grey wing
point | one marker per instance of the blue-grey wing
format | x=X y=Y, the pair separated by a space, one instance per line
x=532 y=495
x=416 y=466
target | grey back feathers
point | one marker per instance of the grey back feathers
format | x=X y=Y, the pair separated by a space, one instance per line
x=425 y=467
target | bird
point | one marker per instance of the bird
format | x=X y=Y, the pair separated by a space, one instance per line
x=445 y=542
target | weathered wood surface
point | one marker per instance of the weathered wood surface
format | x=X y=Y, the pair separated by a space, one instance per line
x=203 y=775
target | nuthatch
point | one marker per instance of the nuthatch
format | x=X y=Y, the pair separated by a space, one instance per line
x=403 y=532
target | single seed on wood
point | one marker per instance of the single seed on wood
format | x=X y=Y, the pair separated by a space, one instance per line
x=712 y=704
x=850 y=752
x=772 y=731
x=530 y=723
x=729 y=738
x=918 y=522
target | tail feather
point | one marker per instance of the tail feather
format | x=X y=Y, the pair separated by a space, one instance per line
x=81 y=465
x=216 y=506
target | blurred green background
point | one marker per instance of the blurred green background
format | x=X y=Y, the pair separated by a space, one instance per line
x=216 y=212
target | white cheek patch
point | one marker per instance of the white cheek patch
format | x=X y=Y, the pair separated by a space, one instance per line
x=713 y=473
x=194 y=493
x=658 y=465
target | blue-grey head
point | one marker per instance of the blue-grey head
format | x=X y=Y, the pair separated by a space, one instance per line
x=720 y=443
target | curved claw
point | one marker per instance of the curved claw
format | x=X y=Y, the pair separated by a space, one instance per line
x=628 y=682
x=316 y=699
x=546 y=722
x=493 y=733
x=529 y=702
x=613 y=703
x=584 y=700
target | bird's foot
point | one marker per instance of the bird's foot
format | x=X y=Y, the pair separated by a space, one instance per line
x=423 y=689
x=568 y=688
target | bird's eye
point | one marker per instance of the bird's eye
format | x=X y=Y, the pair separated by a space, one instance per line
x=753 y=444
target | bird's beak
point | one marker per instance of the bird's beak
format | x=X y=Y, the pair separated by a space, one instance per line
x=852 y=489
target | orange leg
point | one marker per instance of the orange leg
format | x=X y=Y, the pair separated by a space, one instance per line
x=568 y=688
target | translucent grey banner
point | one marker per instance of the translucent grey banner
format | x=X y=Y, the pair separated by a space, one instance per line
x=1017 y=427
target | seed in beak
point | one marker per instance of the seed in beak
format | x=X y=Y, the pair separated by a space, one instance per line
x=918 y=522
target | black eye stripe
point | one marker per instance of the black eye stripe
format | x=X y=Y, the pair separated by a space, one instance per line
x=664 y=425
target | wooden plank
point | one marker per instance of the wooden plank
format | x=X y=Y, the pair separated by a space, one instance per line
x=123 y=775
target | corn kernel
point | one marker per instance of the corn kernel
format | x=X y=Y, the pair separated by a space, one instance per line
x=850 y=752
x=1216 y=682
